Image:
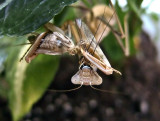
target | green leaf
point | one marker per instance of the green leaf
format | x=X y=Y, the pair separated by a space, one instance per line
x=112 y=48
x=87 y=3
x=134 y=7
x=3 y=56
x=27 y=82
x=24 y=16
x=68 y=13
x=154 y=16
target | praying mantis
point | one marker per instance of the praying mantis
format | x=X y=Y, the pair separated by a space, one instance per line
x=56 y=41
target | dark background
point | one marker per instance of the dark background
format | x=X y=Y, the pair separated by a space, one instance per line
x=137 y=100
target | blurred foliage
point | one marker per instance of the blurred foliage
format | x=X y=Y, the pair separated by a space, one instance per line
x=67 y=14
x=154 y=17
x=20 y=17
x=26 y=83
x=110 y=44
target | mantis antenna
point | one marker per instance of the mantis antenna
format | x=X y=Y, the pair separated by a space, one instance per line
x=106 y=91
x=96 y=31
x=103 y=33
x=67 y=90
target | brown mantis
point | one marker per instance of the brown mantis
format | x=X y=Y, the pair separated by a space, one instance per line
x=55 y=42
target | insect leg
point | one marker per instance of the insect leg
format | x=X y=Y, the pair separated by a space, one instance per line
x=50 y=27
x=25 y=53
x=74 y=31
x=127 y=52
x=31 y=53
x=123 y=35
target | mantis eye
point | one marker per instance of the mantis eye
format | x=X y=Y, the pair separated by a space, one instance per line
x=32 y=38
x=59 y=43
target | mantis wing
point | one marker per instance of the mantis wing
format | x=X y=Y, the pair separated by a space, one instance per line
x=89 y=39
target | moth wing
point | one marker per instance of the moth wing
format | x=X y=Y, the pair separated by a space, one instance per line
x=76 y=78
x=93 y=79
x=96 y=79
